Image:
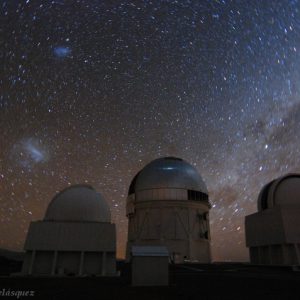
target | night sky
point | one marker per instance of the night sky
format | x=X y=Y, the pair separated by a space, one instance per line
x=91 y=91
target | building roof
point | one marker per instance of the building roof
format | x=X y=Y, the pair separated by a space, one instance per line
x=284 y=190
x=168 y=172
x=78 y=203
x=149 y=251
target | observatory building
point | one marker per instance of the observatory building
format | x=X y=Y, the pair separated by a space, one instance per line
x=273 y=233
x=75 y=238
x=167 y=205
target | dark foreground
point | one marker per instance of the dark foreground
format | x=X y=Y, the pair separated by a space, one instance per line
x=188 y=281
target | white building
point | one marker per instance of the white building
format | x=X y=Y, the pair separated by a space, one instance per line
x=168 y=205
x=149 y=266
x=75 y=238
x=273 y=233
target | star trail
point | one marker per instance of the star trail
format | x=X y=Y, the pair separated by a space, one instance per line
x=91 y=91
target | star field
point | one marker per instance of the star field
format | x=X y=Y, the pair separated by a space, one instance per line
x=91 y=91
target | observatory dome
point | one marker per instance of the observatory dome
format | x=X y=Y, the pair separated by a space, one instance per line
x=168 y=172
x=78 y=203
x=282 y=191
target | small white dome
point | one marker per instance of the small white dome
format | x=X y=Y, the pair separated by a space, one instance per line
x=168 y=172
x=78 y=203
x=282 y=191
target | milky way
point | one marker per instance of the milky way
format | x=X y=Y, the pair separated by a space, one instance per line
x=91 y=91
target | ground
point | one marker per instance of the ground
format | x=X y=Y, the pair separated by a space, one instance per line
x=187 y=281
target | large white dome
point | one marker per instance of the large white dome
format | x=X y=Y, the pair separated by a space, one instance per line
x=282 y=191
x=78 y=203
x=168 y=172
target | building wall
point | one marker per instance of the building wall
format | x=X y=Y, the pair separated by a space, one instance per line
x=273 y=235
x=26 y=262
x=200 y=248
x=264 y=228
x=70 y=248
x=181 y=226
x=67 y=262
x=43 y=263
x=92 y=263
x=284 y=254
x=71 y=236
